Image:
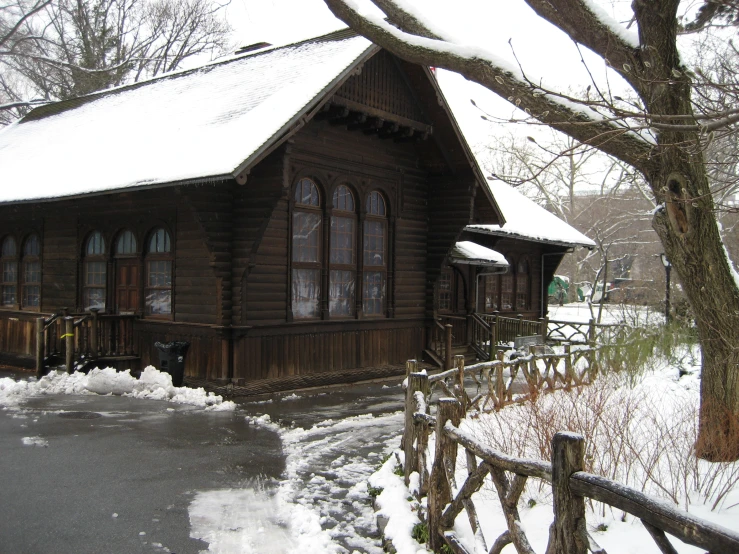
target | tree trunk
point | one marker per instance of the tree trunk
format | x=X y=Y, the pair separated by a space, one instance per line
x=687 y=228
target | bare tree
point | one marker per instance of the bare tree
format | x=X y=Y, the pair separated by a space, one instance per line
x=657 y=132
x=80 y=46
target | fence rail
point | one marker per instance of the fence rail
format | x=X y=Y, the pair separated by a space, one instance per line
x=569 y=483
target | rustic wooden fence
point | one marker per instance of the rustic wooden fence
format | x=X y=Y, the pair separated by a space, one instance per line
x=570 y=485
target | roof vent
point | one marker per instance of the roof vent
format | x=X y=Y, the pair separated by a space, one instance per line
x=253 y=47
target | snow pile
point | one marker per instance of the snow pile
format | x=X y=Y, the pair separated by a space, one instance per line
x=153 y=385
x=35 y=441
x=392 y=503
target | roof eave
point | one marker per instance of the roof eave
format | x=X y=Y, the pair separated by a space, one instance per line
x=303 y=116
x=465 y=147
x=501 y=233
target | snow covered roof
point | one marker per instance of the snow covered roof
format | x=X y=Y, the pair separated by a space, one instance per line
x=527 y=220
x=206 y=123
x=468 y=252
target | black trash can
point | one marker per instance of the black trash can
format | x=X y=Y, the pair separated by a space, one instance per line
x=172 y=359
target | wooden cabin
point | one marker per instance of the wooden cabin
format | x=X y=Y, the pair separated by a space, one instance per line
x=287 y=211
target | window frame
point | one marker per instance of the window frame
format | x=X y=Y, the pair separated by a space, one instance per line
x=9 y=260
x=507 y=288
x=523 y=285
x=158 y=256
x=373 y=216
x=101 y=260
x=313 y=266
x=25 y=284
x=341 y=209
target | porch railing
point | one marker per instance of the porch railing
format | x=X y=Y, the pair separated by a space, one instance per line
x=79 y=338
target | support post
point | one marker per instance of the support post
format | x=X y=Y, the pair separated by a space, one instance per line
x=94 y=346
x=448 y=348
x=493 y=337
x=445 y=453
x=411 y=366
x=544 y=329
x=462 y=395
x=39 y=346
x=568 y=451
x=417 y=382
x=69 y=342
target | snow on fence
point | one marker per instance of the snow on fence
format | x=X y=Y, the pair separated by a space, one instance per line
x=569 y=483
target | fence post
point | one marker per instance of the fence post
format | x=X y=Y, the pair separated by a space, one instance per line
x=446 y=449
x=94 y=333
x=416 y=382
x=519 y=325
x=411 y=366
x=568 y=451
x=459 y=363
x=544 y=332
x=499 y=384
x=448 y=347
x=493 y=337
x=69 y=342
x=39 y=346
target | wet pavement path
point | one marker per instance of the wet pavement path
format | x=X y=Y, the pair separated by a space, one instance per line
x=101 y=474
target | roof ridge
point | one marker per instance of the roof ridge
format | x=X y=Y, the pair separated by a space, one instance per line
x=60 y=106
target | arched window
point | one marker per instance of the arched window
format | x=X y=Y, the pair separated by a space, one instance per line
x=522 y=285
x=342 y=259
x=158 y=292
x=126 y=244
x=9 y=261
x=306 y=251
x=375 y=256
x=31 y=287
x=95 y=274
x=506 y=290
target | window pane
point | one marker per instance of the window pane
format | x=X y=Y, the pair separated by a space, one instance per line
x=160 y=242
x=343 y=199
x=158 y=302
x=159 y=273
x=8 y=247
x=445 y=290
x=306 y=288
x=126 y=243
x=342 y=240
x=374 y=243
x=306 y=236
x=306 y=193
x=341 y=293
x=32 y=246
x=95 y=273
x=10 y=272
x=506 y=292
x=491 y=293
x=95 y=244
x=94 y=298
x=31 y=296
x=375 y=203
x=8 y=298
x=522 y=291
x=373 y=301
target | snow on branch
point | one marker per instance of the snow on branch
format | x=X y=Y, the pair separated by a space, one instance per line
x=483 y=67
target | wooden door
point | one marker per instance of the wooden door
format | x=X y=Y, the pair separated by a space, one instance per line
x=127 y=286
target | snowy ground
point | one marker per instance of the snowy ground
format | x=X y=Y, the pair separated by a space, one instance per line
x=331 y=442
x=648 y=425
